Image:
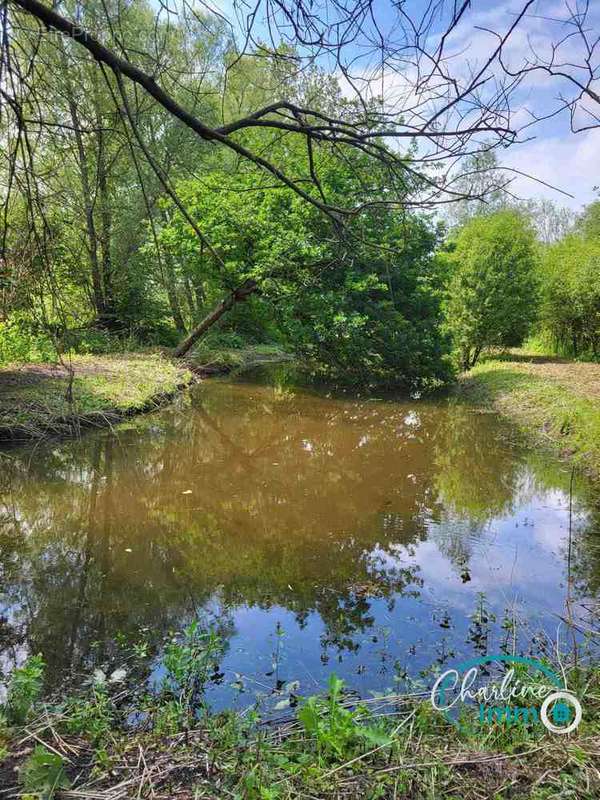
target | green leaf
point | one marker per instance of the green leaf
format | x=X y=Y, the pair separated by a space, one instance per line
x=44 y=774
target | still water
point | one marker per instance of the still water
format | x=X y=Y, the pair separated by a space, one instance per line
x=375 y=538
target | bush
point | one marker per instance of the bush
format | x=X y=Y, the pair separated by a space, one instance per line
x=22 y=339
x=570 y=307
x=25 y=687
x=43 y=774
x=491 y=296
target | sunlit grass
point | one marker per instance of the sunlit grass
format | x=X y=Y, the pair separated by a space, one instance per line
x=558 y=402
x=34 y=399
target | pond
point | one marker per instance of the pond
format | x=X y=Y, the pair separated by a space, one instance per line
x=376 y=538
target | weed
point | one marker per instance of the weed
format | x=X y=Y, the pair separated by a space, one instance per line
x=480 y=628
x=43 y=774
x=189 y=661
x=331 y=747
x=93 y=717
x=24 y=689
x=336 y=729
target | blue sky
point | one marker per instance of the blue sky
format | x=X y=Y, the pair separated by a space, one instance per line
x=567 y=160
x=553 y=153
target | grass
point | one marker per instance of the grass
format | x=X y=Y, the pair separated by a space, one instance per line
x=331 y=746
x=209 y=359
x=34 y=397
x=553 y=401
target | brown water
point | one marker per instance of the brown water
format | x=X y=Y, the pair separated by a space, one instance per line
x=371 y=537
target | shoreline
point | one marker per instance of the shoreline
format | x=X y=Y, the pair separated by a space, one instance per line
x=554 y=403
x=332 y=746
x=107 y=389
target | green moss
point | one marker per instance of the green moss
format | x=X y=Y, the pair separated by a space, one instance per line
x=34 y=399
x=555 y=406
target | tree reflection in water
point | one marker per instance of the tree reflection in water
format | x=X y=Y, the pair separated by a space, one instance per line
x=246 y=496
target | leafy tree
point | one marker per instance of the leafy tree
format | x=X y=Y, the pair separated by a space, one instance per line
x=570 y=295
x=360 y=305
x=491 y=295
x=98 y=189
x=589 y=222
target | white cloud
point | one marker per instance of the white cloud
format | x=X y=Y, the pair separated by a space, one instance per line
x=570 y=162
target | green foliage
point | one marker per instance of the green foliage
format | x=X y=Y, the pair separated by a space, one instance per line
x=332 y=748
x=362 y=306
x=491 y=294
x=24 y=340
x=93 y=716
x=360 y=302
x=337 y=730
x=4 y=736
x=24 y=689
x=43 y=774
x=189 y=661
x=570 y=295
x=588 y=223
x=21 y=339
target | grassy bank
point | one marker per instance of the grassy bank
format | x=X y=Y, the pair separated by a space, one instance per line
x=554 y=401
x=35 y=400
x=113 y=739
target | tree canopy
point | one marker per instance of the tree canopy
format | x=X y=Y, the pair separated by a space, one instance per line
x=491 y=292
x=161 y=165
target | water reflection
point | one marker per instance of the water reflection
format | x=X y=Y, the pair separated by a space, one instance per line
x=366 y=530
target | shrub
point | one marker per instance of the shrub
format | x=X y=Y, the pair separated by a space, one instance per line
x=491 y=296
x=24 y=689
x=43 y=774
x=570 y=291
x=21 y=339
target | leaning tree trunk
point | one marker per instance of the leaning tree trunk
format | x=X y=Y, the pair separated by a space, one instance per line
x=237 y=296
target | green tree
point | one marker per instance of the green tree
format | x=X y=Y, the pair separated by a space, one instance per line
x=361 y=304
x=570 y=295
x=86 y=215
x=491 y=295
x=589 y=221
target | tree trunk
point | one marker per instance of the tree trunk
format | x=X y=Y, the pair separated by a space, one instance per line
x=105 y=228
x=103 y=175
x=237 y=296
x=476 y=354
x=199 y=292
x=465 y=358
x=171 y=289
x=88 y=206
x=189 y=297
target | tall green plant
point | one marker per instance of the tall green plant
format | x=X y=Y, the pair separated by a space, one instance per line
x=491 y=295
x=570 y=291
x=25 y=687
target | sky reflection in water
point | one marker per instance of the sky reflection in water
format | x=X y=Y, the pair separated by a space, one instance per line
x=368 y=530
